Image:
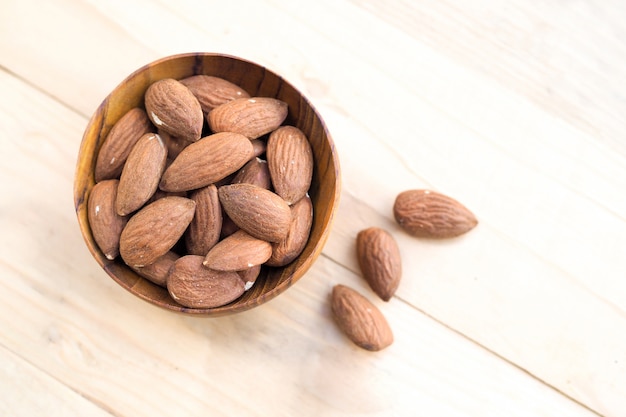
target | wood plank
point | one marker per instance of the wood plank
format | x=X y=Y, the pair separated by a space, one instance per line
x=27 y=391
x=285 y=358
x=521 y=169
x=543 y=222
x=55 y=44
x=542 y=188
x=565 y=57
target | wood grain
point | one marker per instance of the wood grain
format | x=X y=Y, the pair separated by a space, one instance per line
x=535 y=49
x=512 y=108
x=20 y=379
x=137 y=359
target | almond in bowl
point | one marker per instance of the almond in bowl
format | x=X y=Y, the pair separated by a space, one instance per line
x=194 y=232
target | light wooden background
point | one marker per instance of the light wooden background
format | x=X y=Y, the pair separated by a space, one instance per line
x=516 y=108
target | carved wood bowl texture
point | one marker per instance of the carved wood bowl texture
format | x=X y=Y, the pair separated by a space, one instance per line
x=258 y=81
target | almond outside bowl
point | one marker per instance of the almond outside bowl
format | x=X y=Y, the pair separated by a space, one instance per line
x=258 y=81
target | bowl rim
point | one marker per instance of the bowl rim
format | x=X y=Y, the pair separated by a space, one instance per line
x=83 y=187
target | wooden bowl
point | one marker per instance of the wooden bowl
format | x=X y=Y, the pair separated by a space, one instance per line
x=258 y=81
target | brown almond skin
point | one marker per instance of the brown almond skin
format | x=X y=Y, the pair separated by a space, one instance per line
x=193 y=285
x=238 y=252
x=158 y=270
x=106 y=225
x=288 y=249
x=254 y=172
x=290 y=162
x=173 y=108
x=141 y=174
x=259 y=147
x=119 y=142
x=204 y=230
x=249 y=276
x=251 y=117
x=154 y=230
x=174 y=145
x=213 y=91
x=207 y=161
x=158 y=194
x=359 y=319
x=228 y=226
x=260 y=212
x=429 y=214
x=379 y=259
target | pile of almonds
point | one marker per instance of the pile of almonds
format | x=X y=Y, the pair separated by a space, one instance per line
x=184 y=198
x=422 y=214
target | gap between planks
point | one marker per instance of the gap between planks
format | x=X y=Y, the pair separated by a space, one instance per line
x=43 y=91
x=33 y=366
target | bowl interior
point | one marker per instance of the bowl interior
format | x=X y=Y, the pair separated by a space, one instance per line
x=258 y=81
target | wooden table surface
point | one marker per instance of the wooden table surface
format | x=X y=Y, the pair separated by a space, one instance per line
x=515 y=108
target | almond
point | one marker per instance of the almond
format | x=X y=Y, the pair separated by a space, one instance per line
x=251 y=117
x=210 y=159
x=379 y=259
x=158 y=270
x=238 y=252
x=119 y=142
x=254 y=172
x=212 y=91
x=290 y=162
x=204 y=230
x=359 y=319
x=154 y=230
x=228 y=226
x=259 y=147
x=141 y=174
x=260 y=212
x=173 y=108
x=193 y=285
x=161 y=194
x=174 y=145
x=249 y=276
x=226 y=180
x=425 y=213
x=292 y=246
x=106 y=225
